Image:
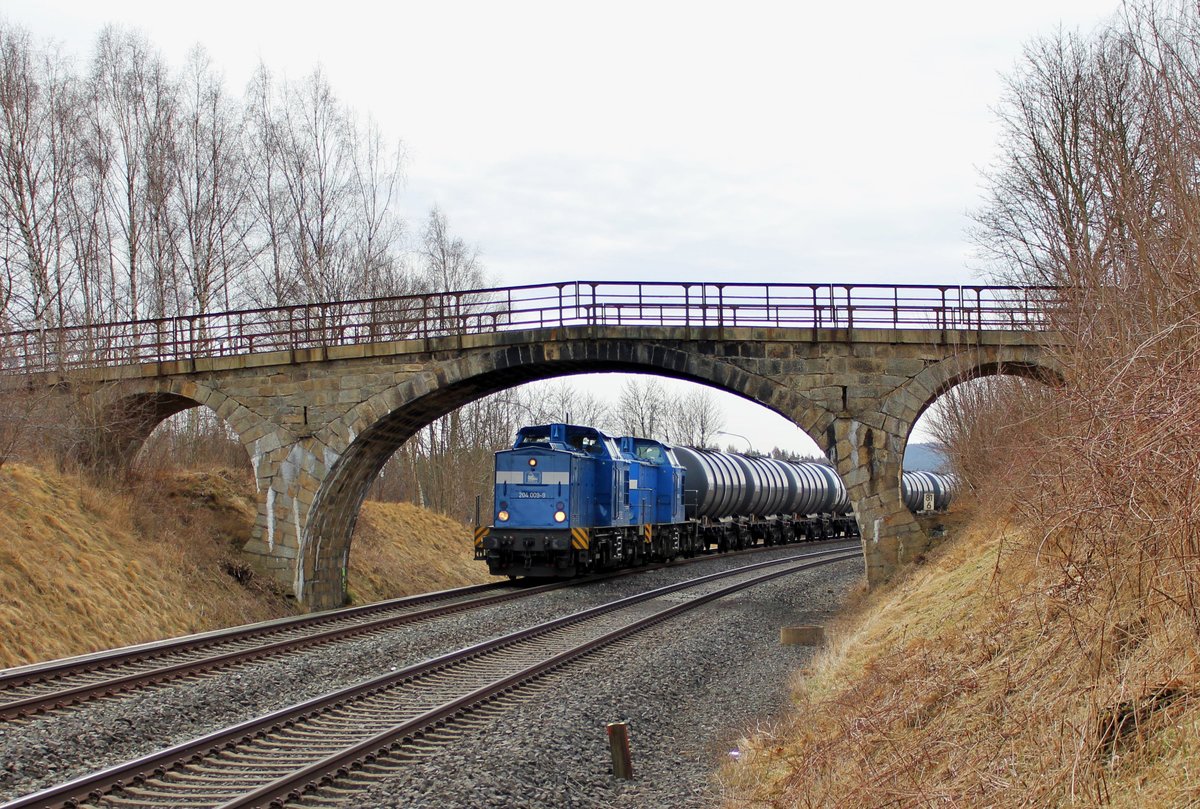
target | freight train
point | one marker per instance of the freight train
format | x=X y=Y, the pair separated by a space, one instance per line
x=570 y=499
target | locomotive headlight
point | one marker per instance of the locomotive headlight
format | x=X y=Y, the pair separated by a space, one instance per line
x=532 y=462
x=502 y=516
x=560 y=516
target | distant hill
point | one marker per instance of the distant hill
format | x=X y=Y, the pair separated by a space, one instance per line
x=924 y=458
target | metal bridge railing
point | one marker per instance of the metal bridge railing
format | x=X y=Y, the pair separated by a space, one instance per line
x=574 y=303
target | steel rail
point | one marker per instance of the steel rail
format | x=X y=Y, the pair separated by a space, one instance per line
x=186 y=668
x=21 y=675
x=94 y=785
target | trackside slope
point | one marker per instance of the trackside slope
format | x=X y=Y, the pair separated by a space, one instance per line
x=84 y=566
x=973 y=682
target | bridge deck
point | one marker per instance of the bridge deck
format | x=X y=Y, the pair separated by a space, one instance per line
x=825 y=310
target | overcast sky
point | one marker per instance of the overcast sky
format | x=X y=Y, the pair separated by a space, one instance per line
x=754 y=141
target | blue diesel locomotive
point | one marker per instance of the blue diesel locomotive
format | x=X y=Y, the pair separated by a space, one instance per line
x=570 y=499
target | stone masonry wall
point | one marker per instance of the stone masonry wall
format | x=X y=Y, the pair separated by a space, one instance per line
x=318 y=423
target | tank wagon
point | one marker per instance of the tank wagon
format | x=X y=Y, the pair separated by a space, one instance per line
x=570 y=499
x=926 y=491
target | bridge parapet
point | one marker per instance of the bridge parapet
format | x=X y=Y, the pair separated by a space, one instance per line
x=323 y=326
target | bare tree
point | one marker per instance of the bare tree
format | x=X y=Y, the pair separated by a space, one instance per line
x=135 y=112
x=376 y=232
x=131 y=192
x=696 y=417
x=275 y=282
x=642 y=407
x=449 y=263
x=210 y=193
x=1096 y=192
x=39 y=120
x=316 y=165
x=322 y=194
x=561 y=401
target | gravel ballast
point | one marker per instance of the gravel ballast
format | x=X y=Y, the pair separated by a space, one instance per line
x=688 y=688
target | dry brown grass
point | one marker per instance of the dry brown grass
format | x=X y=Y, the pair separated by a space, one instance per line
x=1052 y=660
x=84 y=566
x=400 y=549
x=985 y=679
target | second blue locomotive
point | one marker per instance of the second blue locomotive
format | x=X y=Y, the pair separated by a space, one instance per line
x=570 y=499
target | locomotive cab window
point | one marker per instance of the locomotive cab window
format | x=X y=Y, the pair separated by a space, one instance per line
x=650 y=452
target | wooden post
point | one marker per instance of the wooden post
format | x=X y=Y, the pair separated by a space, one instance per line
x=618 y=745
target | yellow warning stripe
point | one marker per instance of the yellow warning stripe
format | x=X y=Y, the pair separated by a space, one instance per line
x=648 y=530
x=480 y=533
x=579 y=539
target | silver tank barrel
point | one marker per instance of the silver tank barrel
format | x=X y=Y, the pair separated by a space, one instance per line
x=726 y=484
x=827 y=495
x=766 y=487
x=714 y=486
x=915 y=485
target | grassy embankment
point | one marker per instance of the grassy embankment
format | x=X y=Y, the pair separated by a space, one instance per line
x=985 y=677
x=85 y=567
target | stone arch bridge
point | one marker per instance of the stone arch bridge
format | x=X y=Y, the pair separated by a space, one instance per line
x=321 y=395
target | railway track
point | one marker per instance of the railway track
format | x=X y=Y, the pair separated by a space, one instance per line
x=42 y=688
x=313 y=751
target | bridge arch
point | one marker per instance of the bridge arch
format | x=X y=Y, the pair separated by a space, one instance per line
x=117 y=421
x=870 y=455
x=369 y=433
x=924 y=389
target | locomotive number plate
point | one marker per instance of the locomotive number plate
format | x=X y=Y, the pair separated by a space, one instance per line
x=531 y=495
